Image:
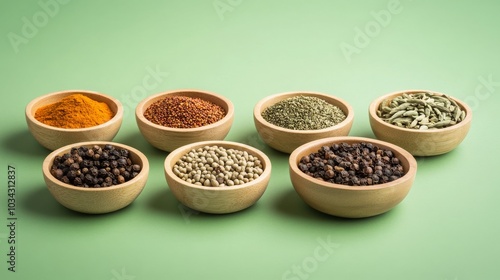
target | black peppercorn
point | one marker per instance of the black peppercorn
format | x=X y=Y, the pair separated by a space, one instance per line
x=120 y=179
x=65 y=179
x=124 y=153
x=358 y=164
x=77 y=181
x=89 y=153
x=136 y=167
x=329 y=174
x=94 y=168
x=74 y=166
x=71 y=175
x=122 y=162
x=58 y=173
x=94 y=171
x=108 y=181
x=68 y=161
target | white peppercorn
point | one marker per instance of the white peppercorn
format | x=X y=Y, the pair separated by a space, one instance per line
x=217 y=166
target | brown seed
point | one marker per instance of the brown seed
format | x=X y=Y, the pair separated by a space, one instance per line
x=329 y=174
x=120 y=179
x=183 y=112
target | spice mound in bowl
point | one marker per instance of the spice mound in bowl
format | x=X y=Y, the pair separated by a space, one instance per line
x=217 y=177
x=74 y=111
x=359 y=164
x=425 y=123
x=352 y=177
x=66 y=117
x=172 y=119
x=184 y=112
x=287 y=120
x=95 y=177
x=303 y=113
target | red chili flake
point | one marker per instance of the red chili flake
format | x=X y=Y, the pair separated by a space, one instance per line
x=184 y=112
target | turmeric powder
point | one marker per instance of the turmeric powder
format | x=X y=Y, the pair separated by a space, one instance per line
x=74 y=111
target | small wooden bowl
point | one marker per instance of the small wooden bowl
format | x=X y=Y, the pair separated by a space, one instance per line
x=351 y=201
x=217 y=200
x=420 y=142
x=168 y=138
x=54 y=137
x=96 y=200
x=286 y=140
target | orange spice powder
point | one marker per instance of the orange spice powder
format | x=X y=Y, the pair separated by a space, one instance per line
x=74 y=111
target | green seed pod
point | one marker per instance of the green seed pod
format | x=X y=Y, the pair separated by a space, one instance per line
x=410 y=113
x=396 y=115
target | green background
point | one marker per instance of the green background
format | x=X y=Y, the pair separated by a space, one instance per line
x=446 y=228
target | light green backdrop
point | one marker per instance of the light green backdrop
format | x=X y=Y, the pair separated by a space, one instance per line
x=447 y=228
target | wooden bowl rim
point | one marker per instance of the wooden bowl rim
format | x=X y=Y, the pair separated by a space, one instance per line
x=47 y=163
x=372 y=110
x=411 y=172
x=116 y=118
x=225 y=144
x=139 y=111
x=258 y=110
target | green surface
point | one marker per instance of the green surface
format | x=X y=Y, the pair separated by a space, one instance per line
x=446 y=228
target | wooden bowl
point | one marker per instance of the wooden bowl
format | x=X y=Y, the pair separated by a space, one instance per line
x=286 y=140
x=96 y=200
x=420 y=142
x=217 y=200
x=168 y=138
x=351 y=201
x=52 y=137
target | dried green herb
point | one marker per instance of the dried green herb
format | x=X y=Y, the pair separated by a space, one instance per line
x=303 y=113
